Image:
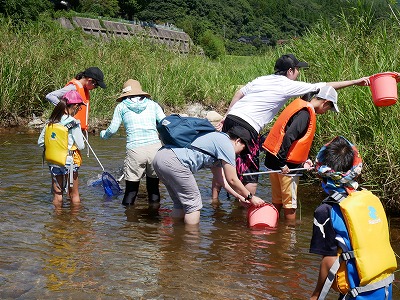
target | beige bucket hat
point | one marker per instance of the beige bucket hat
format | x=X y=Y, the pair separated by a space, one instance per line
x=132 y=88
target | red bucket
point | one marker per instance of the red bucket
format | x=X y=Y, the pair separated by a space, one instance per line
x=384 y=88
x=265 y=216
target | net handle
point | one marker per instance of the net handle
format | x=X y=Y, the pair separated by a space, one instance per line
x=93 y=152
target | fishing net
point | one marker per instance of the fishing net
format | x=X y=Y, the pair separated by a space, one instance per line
x=110 y=185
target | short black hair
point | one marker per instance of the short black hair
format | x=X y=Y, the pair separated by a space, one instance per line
x=339 y=155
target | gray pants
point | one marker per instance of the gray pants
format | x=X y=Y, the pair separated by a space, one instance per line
x=178 y=180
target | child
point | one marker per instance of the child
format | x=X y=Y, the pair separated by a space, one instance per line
x=83 y=82
x=140 y=115
x=350 y=230
x=289 y=142
x=62 y=139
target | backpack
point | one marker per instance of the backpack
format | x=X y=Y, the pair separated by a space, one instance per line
x=178 y=131
x=56 y=143
x=366 y=246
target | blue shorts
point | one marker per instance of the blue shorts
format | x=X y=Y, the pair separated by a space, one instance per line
x=57 y=170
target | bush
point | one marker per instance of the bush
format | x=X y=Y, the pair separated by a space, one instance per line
x=212 y=45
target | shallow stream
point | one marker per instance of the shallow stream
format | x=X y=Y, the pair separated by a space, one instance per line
x=103 y=250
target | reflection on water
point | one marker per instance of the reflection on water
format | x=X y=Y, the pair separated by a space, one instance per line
x=102 y=250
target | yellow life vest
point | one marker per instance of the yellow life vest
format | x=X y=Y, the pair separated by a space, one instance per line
x=56 y=143
x=368 y=232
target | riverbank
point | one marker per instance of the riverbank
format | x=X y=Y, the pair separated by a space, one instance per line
x=36 y=59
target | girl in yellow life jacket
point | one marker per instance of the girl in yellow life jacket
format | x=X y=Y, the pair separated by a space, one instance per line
x=62 y=139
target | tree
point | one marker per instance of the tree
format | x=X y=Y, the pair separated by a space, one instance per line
x=129 y=8
x=108 y=8
x=24 y=10
x=212 y=45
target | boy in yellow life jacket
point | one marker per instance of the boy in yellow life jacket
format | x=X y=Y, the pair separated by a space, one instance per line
x=288 y=144
x=350 y=230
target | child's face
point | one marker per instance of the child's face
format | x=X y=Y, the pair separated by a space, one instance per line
x=323 y=106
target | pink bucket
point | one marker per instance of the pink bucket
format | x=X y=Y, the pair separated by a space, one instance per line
x=384 y=88
x=265 y=216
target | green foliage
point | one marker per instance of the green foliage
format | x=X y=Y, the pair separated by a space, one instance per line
x=24 y=10
x=212 y=45
x=107 y=8
x=128 y=8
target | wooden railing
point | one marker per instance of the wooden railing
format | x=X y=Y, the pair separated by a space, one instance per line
x=173 y=38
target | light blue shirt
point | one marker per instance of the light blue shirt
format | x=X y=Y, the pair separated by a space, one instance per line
x=140 y=117
x=215 y=143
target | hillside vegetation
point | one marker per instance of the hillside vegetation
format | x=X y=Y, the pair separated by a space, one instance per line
x=236 y=27
x=38 y=57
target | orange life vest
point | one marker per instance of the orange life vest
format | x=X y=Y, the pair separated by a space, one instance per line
x=298 y=152
x=83 y=114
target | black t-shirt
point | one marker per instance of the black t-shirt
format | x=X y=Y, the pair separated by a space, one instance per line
x=323 y=238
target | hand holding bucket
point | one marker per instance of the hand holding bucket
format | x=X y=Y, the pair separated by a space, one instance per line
x=384 y=88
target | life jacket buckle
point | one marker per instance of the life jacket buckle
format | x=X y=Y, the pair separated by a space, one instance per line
x=347 y=255
x=354 y=292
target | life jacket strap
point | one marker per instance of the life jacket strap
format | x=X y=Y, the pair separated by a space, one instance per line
x=329 y=279
x=71 y=174
x=344 y=256
x=71 y=124
x=335 y=197
x=370 y=287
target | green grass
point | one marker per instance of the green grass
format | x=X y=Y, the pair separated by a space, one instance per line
x=38 y=58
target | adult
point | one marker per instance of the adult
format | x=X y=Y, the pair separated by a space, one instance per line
x=62 y=139
x=176 y=167
x=255 y=105
x=83 y=82
x=140 y=115
x=350 y=230
x=288 y=144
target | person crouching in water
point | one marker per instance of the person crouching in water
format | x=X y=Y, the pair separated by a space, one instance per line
x=176 y=167
x=350 y=230
x=62 y=139
x=288 y=144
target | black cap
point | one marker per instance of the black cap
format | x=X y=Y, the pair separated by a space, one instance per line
x=96 y=74
x=288 y=61
x=242 y=133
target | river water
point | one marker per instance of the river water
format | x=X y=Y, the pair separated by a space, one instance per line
x=103 y=250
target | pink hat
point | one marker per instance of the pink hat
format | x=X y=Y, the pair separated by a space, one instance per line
x=73 y=97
